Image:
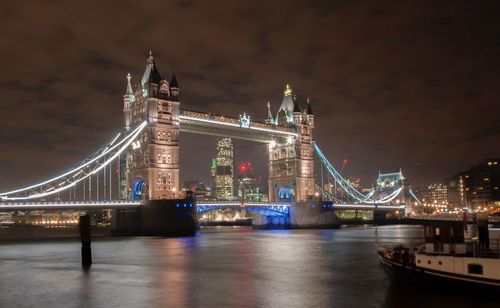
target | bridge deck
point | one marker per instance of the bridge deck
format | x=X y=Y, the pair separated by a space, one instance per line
x=72 y=205
x=218 y=125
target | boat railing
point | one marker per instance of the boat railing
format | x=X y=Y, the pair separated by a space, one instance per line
x=490 y=249
x=472 y=248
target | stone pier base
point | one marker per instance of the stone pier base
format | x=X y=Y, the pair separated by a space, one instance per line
x=176 y=217
x=303 y=215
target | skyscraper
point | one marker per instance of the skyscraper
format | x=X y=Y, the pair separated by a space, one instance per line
x=224 y=173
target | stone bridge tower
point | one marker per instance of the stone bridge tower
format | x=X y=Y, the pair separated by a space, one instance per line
x=291 y=160
x=152 y=163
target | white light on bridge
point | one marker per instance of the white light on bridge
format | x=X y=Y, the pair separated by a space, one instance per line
x=136 y=145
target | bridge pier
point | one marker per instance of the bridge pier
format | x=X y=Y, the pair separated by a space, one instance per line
x=301 y=215
x=313 y=215
x=173 y=217
x=271 y=222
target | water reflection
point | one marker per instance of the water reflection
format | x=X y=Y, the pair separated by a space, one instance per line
x=222 y=267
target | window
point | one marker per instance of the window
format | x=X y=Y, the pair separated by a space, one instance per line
x=476 y=269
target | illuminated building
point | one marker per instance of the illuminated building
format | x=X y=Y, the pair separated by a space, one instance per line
x=248 y=189
x=213 y=173
x=481 y=184
x=198 y=189
x=435 y=196
x=224 y=173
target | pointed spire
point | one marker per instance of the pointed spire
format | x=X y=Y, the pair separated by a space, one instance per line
x=129 y=86
x=269 y=119
x=288 y=90
x=154 y=76
x=295 y=105
x=151 y=74
x=150 y=59
x=309 y=109
x=173 y=81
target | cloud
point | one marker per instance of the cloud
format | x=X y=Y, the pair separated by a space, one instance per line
x=392 y=84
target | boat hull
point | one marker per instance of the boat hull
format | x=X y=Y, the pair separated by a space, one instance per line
x=418 y=275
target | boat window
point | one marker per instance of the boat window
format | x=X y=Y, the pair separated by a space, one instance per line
x=436 y=231
x=451 y=231
x=428 y=231
x=475 y=269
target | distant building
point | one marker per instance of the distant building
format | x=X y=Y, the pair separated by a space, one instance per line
x=434 y=195
x=198 y=188
x=223 y=183
x=456 y=192
x=480 y=184
x=248 y=188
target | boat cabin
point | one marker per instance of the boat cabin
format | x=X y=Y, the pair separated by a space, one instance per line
x=445 y=237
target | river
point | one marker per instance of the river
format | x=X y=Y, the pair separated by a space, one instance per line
x=221 y=267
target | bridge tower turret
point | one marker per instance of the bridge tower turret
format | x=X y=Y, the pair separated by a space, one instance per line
x=128 y=100
x=296 y=115
x=269 y=119
x=291 y=160
x=153 y=160
x=305 y=156
x=310 y=115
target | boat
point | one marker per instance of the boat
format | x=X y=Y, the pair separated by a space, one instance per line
x=446 y=257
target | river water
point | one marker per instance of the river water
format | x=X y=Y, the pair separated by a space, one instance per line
x=221 y=267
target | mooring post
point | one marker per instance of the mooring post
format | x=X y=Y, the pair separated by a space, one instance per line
x=86 y=240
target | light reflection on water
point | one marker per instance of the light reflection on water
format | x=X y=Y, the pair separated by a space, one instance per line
x=221 y=267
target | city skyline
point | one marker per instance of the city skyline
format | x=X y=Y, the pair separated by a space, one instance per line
x=427 y=106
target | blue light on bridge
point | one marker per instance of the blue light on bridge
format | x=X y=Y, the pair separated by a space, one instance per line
x=285 y=193
x=139 y=185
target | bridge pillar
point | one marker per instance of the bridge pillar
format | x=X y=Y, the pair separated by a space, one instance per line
x=153 y=160
x=173 y=217
x=291 y=160
x=302 y=215
x=271 y=222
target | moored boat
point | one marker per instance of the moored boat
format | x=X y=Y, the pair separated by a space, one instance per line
x=446 y=257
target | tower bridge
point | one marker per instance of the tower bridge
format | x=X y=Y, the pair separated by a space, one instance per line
x=146 y=152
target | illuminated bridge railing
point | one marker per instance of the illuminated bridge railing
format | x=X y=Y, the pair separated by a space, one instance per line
x=68 y=205
x=362 y=206
x=213 y=124
x=266 y=208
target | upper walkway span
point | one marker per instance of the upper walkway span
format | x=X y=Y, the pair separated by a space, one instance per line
x=243 y=128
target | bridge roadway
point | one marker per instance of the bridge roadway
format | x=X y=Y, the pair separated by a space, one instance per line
x=69 y=205
x=203 y=206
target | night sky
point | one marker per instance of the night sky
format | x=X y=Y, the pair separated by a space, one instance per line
x=410 y=84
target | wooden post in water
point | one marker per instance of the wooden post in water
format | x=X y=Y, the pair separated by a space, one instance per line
x=86 y=240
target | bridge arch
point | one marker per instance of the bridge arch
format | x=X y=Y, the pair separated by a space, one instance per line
x=269 y=210
x=140 y=188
